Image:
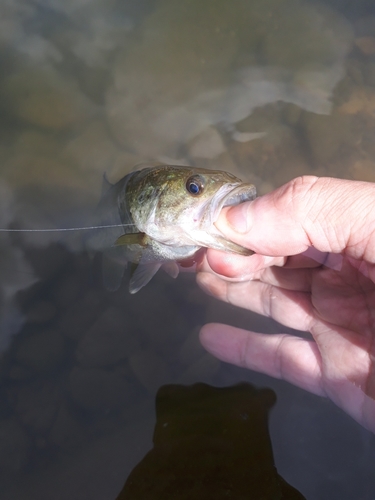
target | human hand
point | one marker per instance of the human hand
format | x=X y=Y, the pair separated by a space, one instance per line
x=314 y=271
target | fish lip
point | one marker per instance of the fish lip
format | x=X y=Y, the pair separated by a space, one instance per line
x=238 y=195
x=230 y=195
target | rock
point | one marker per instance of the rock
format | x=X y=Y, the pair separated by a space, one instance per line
x=369 y=71
x=47 y=262
x=303 y=34
x=15 y=446
x=42 y=352
x=66 y=432
x=361 y=100
x=150 y=370
x=325 y=134
x=82 y=314
x=97 y=389
x=363 y=170
x=19 y=373
x=40 y=311
x=45 y=98
x=208 y=144
x=108 y=341
x=272 y=156
x=33 y=142
x=67 y=290
x=92 y=150
x=366 y=45
x=183 y=75
x=37 y=404
x=355 y=71
x=291 y=114
x=165 y=86
x=161 y=310
x=364 y=26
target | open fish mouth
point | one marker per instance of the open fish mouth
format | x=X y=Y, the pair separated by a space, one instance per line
x=230 y=195
x=245 y=192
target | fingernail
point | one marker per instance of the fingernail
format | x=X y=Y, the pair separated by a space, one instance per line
x=237 y=217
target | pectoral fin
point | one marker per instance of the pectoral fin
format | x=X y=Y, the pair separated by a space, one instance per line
x=171 y=268
x=142 y=275
x=131 y=239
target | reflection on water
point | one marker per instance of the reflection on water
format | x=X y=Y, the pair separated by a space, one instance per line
x=265 y=89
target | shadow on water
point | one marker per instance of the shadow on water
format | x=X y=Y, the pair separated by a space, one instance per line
x=267 y=90
x=210 y=443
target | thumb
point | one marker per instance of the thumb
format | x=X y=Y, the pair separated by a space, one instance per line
x=333 y=215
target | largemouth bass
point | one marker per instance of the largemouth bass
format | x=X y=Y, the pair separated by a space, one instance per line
x=165 y=215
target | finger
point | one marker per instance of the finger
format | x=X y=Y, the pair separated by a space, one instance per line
x=298 y=280
x=310 y=258
x=289 y=278
x=292 y=309
x=279 y=355
x=238 y=266
x=332 y=215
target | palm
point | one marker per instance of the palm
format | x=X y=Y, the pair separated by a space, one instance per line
x=336 y=307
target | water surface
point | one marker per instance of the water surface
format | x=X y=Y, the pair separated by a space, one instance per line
x=265 y=89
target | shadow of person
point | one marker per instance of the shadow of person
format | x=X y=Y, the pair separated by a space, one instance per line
x=210 y=443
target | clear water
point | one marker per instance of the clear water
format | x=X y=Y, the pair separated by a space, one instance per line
x=266 y=89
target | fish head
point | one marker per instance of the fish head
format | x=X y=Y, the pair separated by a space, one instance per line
x=179 y=205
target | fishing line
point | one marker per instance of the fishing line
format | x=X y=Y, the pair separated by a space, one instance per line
x=86 y=228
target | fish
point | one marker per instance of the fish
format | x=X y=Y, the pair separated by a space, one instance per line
x=162 y=215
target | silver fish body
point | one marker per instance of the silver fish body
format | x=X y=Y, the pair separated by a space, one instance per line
x=166 y=214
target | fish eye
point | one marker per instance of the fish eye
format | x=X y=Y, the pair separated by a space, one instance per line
x=195 y=185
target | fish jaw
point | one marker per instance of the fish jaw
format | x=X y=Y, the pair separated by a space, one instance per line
x=202 y=229
x=228 y=196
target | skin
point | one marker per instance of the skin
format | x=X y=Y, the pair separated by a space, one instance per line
x=314 y=270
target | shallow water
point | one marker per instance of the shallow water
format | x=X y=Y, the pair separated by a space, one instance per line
x=265 y=89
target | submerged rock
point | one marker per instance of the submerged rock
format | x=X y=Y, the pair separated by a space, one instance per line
x=15 y=446
x=95 y=389
x=150 y=369
x=195 y=66
x=42 y=351
x=108 y=341
x=45 y=98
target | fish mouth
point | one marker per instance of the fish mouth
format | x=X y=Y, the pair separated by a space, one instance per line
x=238 y=195
x=229 y=196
